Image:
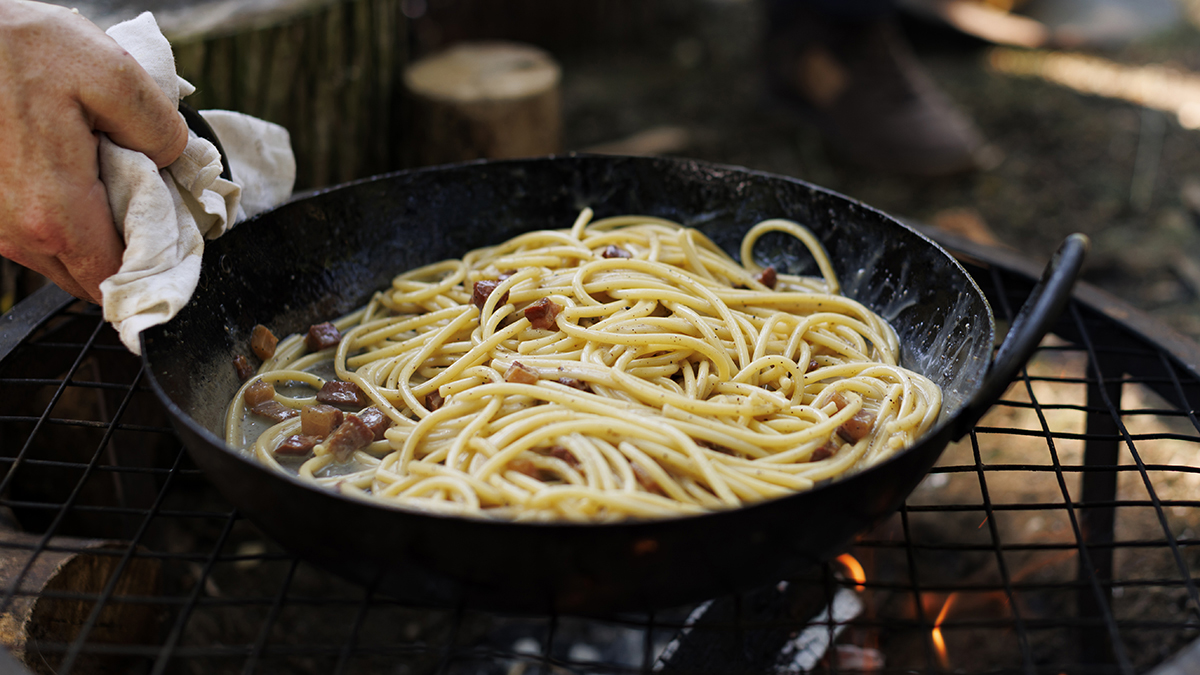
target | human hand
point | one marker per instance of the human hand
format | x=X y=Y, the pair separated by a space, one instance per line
x=62 y=82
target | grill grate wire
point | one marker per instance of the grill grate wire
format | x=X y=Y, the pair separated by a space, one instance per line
x=91 y=469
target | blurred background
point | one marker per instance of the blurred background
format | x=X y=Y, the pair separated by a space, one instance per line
x=1086 y=112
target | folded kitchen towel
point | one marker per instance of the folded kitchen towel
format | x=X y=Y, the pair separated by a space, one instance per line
x=166 y=214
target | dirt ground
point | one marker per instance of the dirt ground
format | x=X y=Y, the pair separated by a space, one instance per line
x=1127 y=175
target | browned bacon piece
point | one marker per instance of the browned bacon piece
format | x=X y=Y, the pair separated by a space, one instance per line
x=564 y=454
x=824 y=452
x=336 y=392
x=319 y=420
x=856 y=428
x=482 y=290
x=614 y=251
x=259 y=392
x=434 y=400
x=352 y=435
x=767 y=277
x=242 y=365
x=542 y=313
x=322 y=336
x=520 y=374
x=297 y=445
x=574 y=383
x=375 y=420
x=262 y=342
x=274 y=411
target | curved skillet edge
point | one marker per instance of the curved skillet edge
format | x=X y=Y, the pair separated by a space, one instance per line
x=322 y=256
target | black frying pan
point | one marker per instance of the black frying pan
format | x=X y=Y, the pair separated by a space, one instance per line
x=322 y=256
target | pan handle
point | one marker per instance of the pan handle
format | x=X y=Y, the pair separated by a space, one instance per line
x=202 y=129
x=1033 y=321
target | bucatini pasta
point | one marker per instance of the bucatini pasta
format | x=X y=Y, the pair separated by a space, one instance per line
x=622 y=368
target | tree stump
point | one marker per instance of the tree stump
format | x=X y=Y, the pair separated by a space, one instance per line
x=56 y=596
x=485 y=100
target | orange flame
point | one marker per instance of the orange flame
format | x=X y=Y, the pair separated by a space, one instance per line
x=939 y=642
x=855 y=569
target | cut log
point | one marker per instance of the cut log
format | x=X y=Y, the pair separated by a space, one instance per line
x=485 y=100
x=57 y=593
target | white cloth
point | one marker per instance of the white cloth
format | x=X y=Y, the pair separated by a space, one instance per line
x=165 y=215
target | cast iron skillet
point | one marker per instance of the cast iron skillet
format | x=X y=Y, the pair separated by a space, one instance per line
x=321 y=256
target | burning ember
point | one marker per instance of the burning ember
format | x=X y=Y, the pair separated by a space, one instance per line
x=855 y=570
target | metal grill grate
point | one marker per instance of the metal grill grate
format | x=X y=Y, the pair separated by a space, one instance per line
x=1058 y=537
